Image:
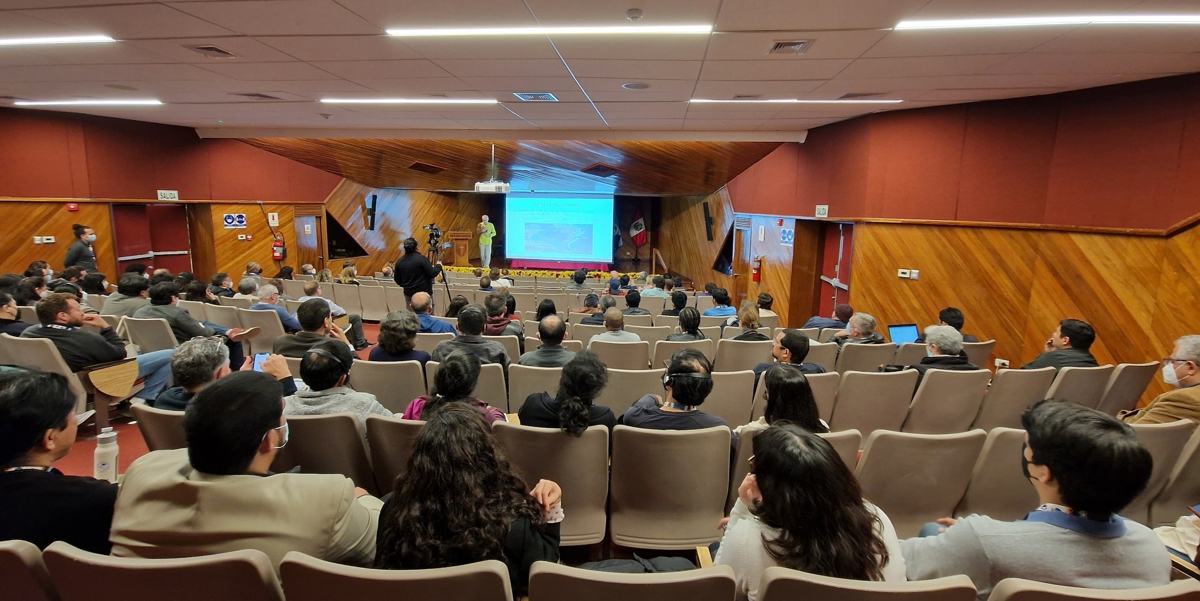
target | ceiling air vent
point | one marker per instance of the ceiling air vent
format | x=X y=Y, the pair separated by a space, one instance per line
x=861 y=96
x=212 y=51
x=601 y=170
x=747 y=96
x=257 y=96
x=536 y=96
x=790 y=47
x=426 y=168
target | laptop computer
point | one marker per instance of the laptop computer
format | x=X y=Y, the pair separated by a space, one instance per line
x=903 y=332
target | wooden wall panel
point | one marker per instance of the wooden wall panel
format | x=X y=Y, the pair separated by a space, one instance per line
x=200 y=238
x=681 y=237
x=776 y=278
x=24 y=220
x=1178 y=296
x=232 y=255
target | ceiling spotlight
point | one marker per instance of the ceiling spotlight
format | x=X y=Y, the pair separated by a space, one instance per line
x=634 y=14
x=87 y=102
x=635 y=85
x=72 y=39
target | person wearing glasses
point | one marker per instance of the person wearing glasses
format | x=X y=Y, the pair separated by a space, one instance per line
x=235 y=427
x=1181 y=371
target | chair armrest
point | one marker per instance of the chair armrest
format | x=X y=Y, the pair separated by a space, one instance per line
x=115 y=379
x=703 y=557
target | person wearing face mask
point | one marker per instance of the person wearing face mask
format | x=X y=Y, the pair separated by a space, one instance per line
x=1182 y=371
x=943 y=350
x=10 y=317
x=81 y=254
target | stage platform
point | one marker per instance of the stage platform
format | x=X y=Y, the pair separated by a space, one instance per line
x=556 y=265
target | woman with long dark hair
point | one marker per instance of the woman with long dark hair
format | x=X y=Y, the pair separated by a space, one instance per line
x=94 y=283
x=801 y=508
x=456 y=378
x=689 y=326
x=460 y=502
x=790 y=400
x=546 y=307
x=456 y=304
x=30 y=291
x=572 y=409
x=286 y=273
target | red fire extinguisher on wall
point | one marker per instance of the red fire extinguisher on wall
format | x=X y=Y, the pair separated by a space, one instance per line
x=278 y=250
x=756 y=269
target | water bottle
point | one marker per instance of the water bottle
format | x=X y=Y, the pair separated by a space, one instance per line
x=106 y=456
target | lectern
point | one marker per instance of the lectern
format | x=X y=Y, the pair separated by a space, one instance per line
x=462 y=247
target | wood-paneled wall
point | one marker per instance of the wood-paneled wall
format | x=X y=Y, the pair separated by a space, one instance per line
x=24 y=220
x=681 y=237
x=225 y=251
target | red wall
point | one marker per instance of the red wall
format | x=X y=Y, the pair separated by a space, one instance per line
x=1124 y=156
x=52 y=155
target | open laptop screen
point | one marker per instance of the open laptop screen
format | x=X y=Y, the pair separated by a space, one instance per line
x=905 y=332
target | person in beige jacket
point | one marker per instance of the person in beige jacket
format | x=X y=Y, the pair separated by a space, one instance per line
x=219 y=495
x=1181 y=370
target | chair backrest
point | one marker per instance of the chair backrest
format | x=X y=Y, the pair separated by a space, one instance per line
x=770 y=321
x=812 y=333
x=704 y=303
x=659 y=502
x=394 y=384
x=42 y=355
x=846 y=443
x=782 y=584
x=998 y=488
x=909 y=353
x=651 y=334
x=1011 y=393
x=622 y=355
x=947 y=401
x=196 y=309
x=327 y=444
x=730 y=332
x=526 y=301
x=584 y=333
x=865 y=357
x=823 y=354
x=532 y=343
x=731 y=397
x=978 y=353
x=524 y=381
x=1018 y=589
x=293 y=364
x=265 y=320
x=639 y=320
x=245 y=575
x=873 y=401
x=738 y=355
x=292 y=306
x=626 y=386
x=511 y=344
x=27 y=314
x=427 y=342
x=162 y=430
x=223 y=315
x=826 y=333
x=1125 y=387
x=150 y=334
x=391 y=440
x=374 y=302
x=551 y=582
x=23 y=573
x=741 y=464
x=490 y=388
x=240 y=303
x=824 y=388
x=310 y=579
x=1182 y=487
x=663 y=350
x=707 y=321
x=293 y=288
x=579 y=465
x=1165 y=443
x=1083 y=385
x=346 y=296
x=394 y=295
x=936 y=469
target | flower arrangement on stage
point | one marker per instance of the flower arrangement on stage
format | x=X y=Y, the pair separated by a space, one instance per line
x=549 y=273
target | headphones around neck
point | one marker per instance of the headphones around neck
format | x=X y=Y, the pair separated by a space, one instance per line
x=320 y=352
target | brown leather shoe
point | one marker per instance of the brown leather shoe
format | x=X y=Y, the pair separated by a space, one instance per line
x=239 y=334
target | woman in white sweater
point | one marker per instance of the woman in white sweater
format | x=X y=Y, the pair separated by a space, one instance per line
x=801 y=508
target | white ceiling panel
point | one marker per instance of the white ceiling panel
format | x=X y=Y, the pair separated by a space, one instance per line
x=505 y=68
x=636 y=70
x=654 y=12
x=268 y=71
x=495 y=123
x=682 y=89
x=422 y=85
x=523 y=84
x=14 y=24
x=1100 y=62
x=724 y=124
x=308 y=87
x=68 y=73
x=362 y=70
x=643 y=110
x=733 y=111
x=581 y=123
x=574 y=95
x=628 y=123
x=620 y=95
x=24 y=57
x=667 y=47
x=98 y=54
x=726 y=90
x=342 y=48
x=836 y=87
x=468 y=48
x=951 y=42
x=130 y=21
x=923 y=66
x=247 y=49
x=769 y=70
x=969 y=9
x=400 y=14
x=550 y=110
x=771 y=15
x=271 y=17
x=15 y=4
x=160 y=72
x=1127 y=38
x=825 y=44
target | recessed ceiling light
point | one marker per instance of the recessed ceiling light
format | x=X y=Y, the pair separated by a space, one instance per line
x=610 y=30
x=410 y=100
x=635 y=85
x=87 y=102
x=1054 y=20
x=72 y=39
x=796 y=101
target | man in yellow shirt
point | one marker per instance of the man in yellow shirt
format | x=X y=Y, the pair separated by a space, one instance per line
x=486 y=232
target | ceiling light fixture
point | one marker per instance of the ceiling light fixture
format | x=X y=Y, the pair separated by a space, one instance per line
x=72 y=39
x=410 y=100
x=87 y=102
x=1052 y=20
x=597 y=30
x=797 y=101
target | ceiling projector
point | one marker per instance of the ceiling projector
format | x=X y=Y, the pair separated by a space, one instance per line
x=492 y=187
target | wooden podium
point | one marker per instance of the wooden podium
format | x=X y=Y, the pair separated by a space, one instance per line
x=461 y=257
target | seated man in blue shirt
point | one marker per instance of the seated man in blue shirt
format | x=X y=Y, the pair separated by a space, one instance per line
x=723 y=307
x=422 y=305
x=841 y=317
x=268 y=300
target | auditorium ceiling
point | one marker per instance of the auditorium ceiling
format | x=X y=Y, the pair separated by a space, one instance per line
x=285 y=56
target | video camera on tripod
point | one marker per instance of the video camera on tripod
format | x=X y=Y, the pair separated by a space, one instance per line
x=435 y=234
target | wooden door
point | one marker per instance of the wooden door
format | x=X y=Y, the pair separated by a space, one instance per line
x=741 y=260
x=169 y=237
x=310 y=238
x=835 y=269
x=131 y=236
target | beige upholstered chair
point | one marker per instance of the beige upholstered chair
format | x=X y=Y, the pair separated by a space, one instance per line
x=1182 y=488
x=78 y=575
x=512 y=346
x=149 y=334
x=426 y=342
x=532 y=343
x=664 y=350
x=391 y=440
x=651 y=334
x=1165 y=443
x=374 y=302
x=731 y=397
x=293 y=364
x=823 y=354
x=704 y=303
x=265 y=320
x=23 y=573
x=293 y=288
x=865 y=357
x=660 y=502
x=782 y=584
x=622 y=355
x=978 y=353
x=579 y=465
x=827 y=333
x=639 y=320
x=196 y=309
x=947 y=401
x=1083 y=385
x=936 y=469
x=812 y=333
x=346 y=296
x=310 y=579
x=223 y=315
x=730 y=332
x=553 y=582
x=738 y=355
x=240 y=303
x=1017 y=589
x=846 y=443
x=161 y=429
x=909 y=353
x=741 y=464
x=327 y=444
x=873 y=401
x=998 y=488
x=626 y=386
x=525 y=380
x=1126 y=386
x=1011 y=393
x=394 y=295
x=394 y=384
x=584 y=333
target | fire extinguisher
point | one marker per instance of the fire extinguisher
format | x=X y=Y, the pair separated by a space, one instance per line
x=756 y=269
x=278 y=250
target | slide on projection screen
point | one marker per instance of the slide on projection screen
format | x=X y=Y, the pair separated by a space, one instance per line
x=559 y=227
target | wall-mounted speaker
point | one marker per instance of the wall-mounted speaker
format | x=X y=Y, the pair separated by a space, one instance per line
x=371 y=211
x=708 y=223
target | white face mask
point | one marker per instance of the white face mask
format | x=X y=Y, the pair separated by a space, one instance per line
x=1169 y=375
x=105 y=284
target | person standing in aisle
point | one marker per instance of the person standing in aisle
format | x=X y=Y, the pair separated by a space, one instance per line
x=81 y=254
x=486 y=231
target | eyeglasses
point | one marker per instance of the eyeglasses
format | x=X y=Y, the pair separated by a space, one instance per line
x=1174 y=360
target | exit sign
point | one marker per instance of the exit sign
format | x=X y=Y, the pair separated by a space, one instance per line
x=168 y=194
x=822 y=210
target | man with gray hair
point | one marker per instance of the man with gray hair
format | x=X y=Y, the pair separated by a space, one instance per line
x=597 y=319
x=1180 y=371
x=943 y=350
x=860 y=330
x=202 y=361
x=614 y=329
x=268 y=300
x=247 y=288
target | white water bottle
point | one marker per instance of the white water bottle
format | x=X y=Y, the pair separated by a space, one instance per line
x=106 y=457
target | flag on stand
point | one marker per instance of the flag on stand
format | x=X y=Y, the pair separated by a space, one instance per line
x=637 y=230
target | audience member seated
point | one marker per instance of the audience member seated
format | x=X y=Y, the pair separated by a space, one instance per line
x=708 y=289
x=61 y=317
x=1180 y=371
x=325 y=276
x=349 y=275
x=278 y=284
x=499 y=318
x=1086 y=467
x=308 y=269
x=161 y=275
x=790 y=348
x=578 y=280
x=861 y=330
x=462 y=502
x=222 y=285
x=591 y=306
x=10 y=316
x=545 y=307
x=316 y=326
x=471 y=320
x=312 y=289
x=1068 y=346
x=614 y=285
x=38 y=427
x=633 y=300
x=656 y=289
x=398 y=338
x=604 y=303
x=614 y=329
x=454 y=383
x=679 y=300
x=247 y=289
x=202 y=361
x=8 y=283
x=688 y=382
x=626 y=286
x=94 y=282
x=722 y=307
x=765 y=302
x=253 y=270
x=801 y=508
x=389 y=270
x=498 y=282
x=268 y=300
x=748 y=321
x=841 y=318
x=551 y=331
x=285 y=273
x=422 y=306
x=66 y=287
x=197 y=291
x=689 y=327
x=953 y=317
x=72 y=274
x=669 y=286
x=219 y=494
x=164 y=304
x=789 y=399
x=325 y=370
x=30 y=291
x=456 y=304
x=573 y=408
x=943 y=350
x=485 y=284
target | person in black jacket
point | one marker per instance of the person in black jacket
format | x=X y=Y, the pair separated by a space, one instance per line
x=81 y=254
x=1068 y=346
x=10 y=316
x=461 y=502
x=572 y=409
x=951 y=316
x=943 y=349
x=414 y=272
x=222 y=285
x=202 y=361
x=41 y=505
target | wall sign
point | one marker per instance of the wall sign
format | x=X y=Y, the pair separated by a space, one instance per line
x=168 y=194
x=787 y=236
x=235 y=221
